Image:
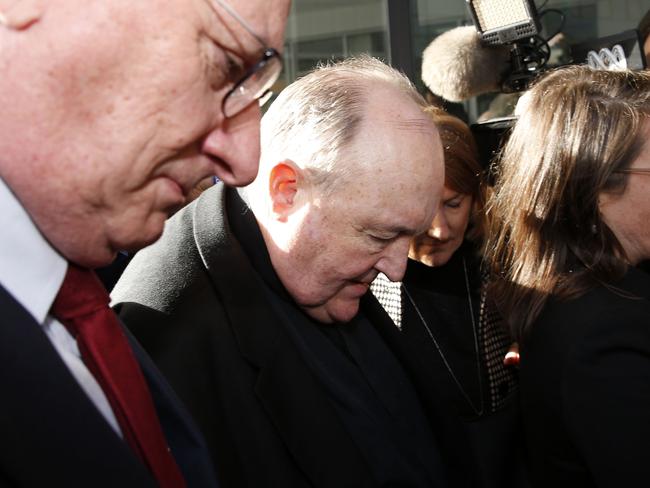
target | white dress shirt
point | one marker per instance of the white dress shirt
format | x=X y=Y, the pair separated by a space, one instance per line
x=32 y=271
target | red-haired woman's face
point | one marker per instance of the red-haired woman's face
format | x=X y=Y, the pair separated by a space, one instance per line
x=447 y=231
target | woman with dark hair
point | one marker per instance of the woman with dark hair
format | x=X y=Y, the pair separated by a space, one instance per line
x=569 y=222
x=445 y=335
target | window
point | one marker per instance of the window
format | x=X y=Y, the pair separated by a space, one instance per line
x=321 y=30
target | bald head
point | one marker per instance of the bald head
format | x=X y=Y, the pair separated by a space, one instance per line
x=325 y=109
x=352 y=169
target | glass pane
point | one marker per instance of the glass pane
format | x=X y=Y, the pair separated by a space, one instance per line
x=370 y=43
x=322 y=30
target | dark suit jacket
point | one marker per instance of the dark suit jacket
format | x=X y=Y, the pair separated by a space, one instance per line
x=585 y=386
x=53 y=435
x=207 y=321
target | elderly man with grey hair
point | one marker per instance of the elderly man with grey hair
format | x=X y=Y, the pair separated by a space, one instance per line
x=250 y=301
x=111 y=111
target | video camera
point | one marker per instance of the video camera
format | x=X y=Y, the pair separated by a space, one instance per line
x=517 y=24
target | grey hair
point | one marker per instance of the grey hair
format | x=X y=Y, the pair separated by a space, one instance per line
x=315 y=117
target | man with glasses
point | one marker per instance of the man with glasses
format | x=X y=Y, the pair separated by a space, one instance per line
x=249 y=301
x=111 y=113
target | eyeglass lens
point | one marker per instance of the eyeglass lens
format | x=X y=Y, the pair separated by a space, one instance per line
x=255 y=85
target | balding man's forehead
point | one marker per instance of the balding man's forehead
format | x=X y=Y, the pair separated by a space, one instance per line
x=419 y=124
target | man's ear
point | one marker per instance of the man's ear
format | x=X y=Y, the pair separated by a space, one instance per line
x=20 y=14
x=283 y=186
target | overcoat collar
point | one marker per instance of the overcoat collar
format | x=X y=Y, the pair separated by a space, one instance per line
x=293 y=399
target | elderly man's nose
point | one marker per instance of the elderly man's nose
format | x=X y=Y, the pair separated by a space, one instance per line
x=393 y=260
x=235 y=147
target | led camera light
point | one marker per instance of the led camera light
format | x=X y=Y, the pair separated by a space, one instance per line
x=504 y=21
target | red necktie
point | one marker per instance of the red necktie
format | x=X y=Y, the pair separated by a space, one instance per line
x=82 y=306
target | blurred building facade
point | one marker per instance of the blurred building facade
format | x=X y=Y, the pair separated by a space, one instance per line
x=398 y=30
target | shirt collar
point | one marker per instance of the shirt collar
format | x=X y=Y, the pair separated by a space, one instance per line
x=31 y=270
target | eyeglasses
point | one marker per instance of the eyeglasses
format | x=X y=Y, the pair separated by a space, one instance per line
x=641 y=171
x=255 y=85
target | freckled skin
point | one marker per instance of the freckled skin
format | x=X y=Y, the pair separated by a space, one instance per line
x=118 y=127
x=333 y=252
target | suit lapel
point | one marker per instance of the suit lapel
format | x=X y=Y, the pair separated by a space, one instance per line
x=52 y=433
x=295 y=402
x=185 y=442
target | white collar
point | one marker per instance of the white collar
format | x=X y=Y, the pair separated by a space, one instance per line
x=31 y=270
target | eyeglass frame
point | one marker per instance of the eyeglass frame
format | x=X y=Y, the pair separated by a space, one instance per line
x=268 y=55
x=641 y=171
